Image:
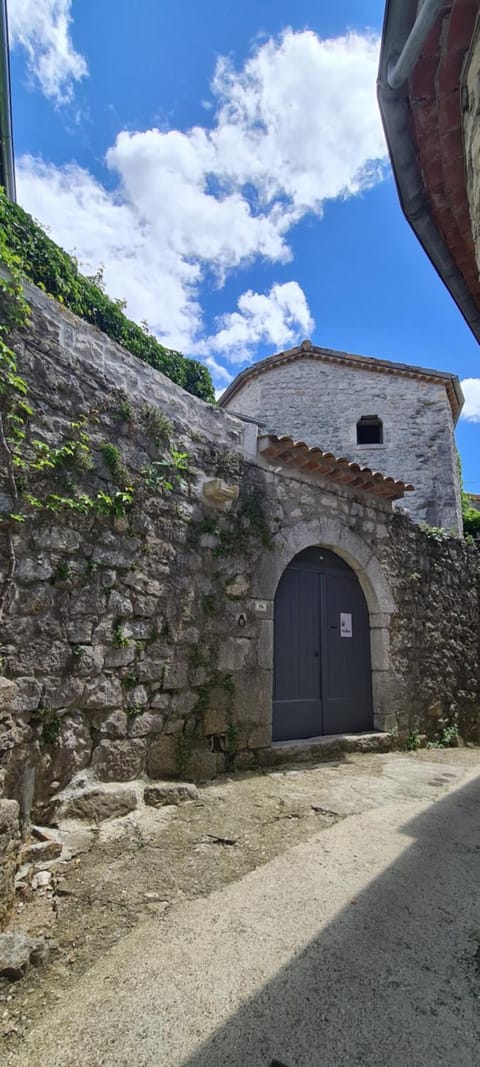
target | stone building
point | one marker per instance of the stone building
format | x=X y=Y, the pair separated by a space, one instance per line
x=390 y=416
x=271 y=598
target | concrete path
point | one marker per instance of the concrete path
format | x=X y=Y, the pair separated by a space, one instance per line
x=360 y=947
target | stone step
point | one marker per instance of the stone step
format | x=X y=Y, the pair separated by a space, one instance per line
x=328 y=747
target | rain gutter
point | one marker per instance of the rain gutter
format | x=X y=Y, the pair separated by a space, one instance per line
x=405 y=29
x=7 y=165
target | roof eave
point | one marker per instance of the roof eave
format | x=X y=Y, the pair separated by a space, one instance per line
x=298 y=456
x=414 y=199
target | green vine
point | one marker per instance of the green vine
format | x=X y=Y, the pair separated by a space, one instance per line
x=182 y=753
x=236 y=531
x=35 y=256
x=29 y=465
x=113 y=459
x=118 y=637
x=226 y=683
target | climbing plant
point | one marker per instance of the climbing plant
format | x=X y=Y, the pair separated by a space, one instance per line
x=37 y=258
x=36 y=475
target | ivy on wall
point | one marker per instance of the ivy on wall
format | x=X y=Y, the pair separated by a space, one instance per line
x=36 y=475
x=42 y=262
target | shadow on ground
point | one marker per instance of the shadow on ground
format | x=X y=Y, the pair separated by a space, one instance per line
x=394 y=979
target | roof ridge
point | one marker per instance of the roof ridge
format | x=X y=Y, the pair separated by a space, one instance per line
x=307 y=350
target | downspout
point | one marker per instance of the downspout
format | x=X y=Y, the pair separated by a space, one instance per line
x=7 y=165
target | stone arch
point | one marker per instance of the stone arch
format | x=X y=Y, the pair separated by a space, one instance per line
x=333 y=533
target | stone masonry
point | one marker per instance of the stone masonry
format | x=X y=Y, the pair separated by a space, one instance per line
x=143 y=643
x=320 y=402
x=471 y=135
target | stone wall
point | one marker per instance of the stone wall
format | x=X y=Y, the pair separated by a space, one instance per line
x=9 y=847
x=321 y=403
x=471 y=136
x=143 y=642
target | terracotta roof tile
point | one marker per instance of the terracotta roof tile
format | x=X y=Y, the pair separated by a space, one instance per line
x=283 y=450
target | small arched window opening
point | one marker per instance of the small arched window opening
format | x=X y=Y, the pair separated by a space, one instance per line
x=369 y=430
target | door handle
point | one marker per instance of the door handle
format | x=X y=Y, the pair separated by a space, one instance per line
x=316 y=655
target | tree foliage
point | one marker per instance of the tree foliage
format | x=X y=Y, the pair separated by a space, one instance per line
x=471 y=517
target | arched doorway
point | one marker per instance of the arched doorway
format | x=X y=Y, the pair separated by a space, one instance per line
x=322 y=672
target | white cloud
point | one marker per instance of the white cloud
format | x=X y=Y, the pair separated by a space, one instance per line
x=274 y=318
x=42 y=28
x=300 y=120
x=471 y=389
x=296 y=126
x=101 y=229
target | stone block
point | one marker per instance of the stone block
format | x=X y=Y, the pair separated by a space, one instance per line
x=214 y=721
x=161 y=701
x=89 y=660
x=104 y=692
x=162 y=759
x=176 y=676
x=119 y=605
x=120 y=657
x=238 y=586
x=138 y=629
x=116 y=552
x=8 y=693
x=94 y=803
x=79 y=630
x=18 y=951
x=202 y=764
x=245 y=761
x=27 y=696
x=153 y=669
x=146 y=725
x=118 y=761
x=380 y=648
x=181 y=704
x=114 y=727
x=145 y=606
x=137 y=696
x=63 y=696
x=165 y=793
x=265 y=644
x=253 y=698
x=88 y=601
x=34 y=570
x=61 y=759
x=40 y=851
x=233 y=653
x=260 y=737
x=9 y=846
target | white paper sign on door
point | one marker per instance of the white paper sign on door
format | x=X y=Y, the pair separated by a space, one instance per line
x=345 y=624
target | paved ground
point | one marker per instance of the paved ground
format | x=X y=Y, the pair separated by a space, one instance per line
x=359 y=946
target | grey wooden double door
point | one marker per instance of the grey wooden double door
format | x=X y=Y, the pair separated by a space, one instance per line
x=322 y=669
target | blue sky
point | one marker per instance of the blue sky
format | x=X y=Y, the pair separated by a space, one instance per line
x=225 y=165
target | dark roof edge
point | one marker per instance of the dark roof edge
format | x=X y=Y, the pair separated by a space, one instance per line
x=399 y=18
x=7 y=162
